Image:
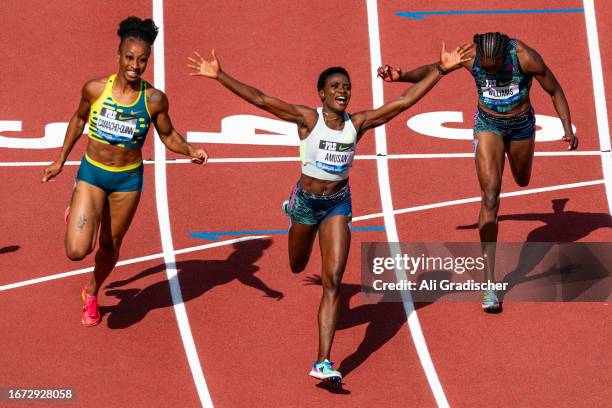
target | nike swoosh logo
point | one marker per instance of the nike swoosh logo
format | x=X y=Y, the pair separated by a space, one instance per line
x=345 y=148
x=135 y=112
x=122 y=117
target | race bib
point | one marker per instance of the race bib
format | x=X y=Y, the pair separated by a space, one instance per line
x=335 y=157
x=116 y=126
x=493 y=90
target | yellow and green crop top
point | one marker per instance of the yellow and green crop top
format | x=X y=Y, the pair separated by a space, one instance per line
x=120 y=125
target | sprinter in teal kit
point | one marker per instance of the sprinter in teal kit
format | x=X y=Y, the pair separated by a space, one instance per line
x=504 y=124
x=119 y=109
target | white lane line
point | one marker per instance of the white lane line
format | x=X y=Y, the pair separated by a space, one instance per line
x=355 y=219
x=599 y=92
x=163 y=215
x=567 y=153
x=295 y=159
x=387 y=205
x=125 y=262
x=509 y=194
x=476 y=199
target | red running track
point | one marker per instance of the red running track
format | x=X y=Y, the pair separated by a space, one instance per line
x=253 y=322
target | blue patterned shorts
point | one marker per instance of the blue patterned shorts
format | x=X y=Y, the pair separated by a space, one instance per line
x=311 y=209
x=517 y=127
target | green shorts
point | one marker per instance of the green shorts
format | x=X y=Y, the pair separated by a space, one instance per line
x=111 y=179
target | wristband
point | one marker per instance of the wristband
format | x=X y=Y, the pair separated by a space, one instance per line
x=441 y=70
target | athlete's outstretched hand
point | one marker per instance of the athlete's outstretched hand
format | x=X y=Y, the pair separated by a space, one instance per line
x=449 y=61
x=201 y=67
x=572 y=140
x=51 y=171
x=389 y=74
x=198 y=155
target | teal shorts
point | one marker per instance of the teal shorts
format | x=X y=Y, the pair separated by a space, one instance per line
x=517 y=127
x=111 y=179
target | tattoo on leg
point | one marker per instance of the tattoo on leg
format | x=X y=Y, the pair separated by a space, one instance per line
x=81 y=223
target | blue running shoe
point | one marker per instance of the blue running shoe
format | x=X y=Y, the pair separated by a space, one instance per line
x=325 y=371
x=490 y=302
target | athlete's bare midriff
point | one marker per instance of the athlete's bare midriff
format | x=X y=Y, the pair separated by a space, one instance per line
x=522 y=107
x=321 y=187
x=113 y=156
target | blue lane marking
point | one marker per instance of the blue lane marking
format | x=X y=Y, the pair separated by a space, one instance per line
x=214 y=235
x=420 y=15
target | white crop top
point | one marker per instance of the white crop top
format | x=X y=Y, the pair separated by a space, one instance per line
x=327 y=154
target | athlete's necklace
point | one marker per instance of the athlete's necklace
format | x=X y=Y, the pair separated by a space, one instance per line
x=327 y=119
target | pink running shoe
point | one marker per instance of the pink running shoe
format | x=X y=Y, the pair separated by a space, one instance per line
x=91 y=314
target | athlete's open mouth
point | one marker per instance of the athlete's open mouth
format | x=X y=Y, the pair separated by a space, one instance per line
x=132 y=74
x=341 y=100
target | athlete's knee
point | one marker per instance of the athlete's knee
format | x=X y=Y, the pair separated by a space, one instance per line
x=76 y=252
x=523 y=181
x=490 y=199
x=76 y=255
x=297 y=266
x=331 y=283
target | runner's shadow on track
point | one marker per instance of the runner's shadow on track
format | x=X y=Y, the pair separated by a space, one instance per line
x=560 y=225
x=565 y=227
x=333 y=388
x=581 y=277
x=11 y=248
x=384 y=320
x=196 y=277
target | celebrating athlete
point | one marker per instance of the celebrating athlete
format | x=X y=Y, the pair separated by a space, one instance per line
x=321 y=199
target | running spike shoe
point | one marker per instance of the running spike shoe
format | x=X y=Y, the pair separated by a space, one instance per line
x=490 y=302
x=91 y=313
x=325 y=371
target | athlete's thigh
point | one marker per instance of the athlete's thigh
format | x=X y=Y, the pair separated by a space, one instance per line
x=118 y=214
x=489 y=156
x=335 y=241
x=520 y=156
x=84 y=217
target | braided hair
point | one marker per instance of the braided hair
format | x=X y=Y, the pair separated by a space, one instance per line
x=491 y=45
x=328 y=72
x=134 y=27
